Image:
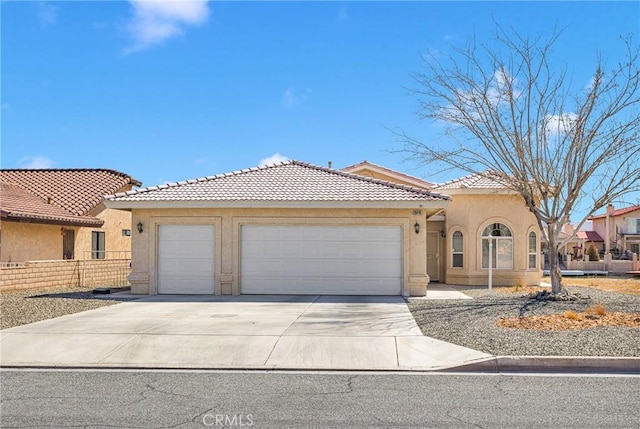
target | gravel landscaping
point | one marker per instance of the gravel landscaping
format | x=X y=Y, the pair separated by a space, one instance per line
x=472 y=323
x=20 y=308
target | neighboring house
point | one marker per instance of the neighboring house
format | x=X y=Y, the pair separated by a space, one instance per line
x=296 y=228
x=53 y=214
x=620 y=229
x=457 y=247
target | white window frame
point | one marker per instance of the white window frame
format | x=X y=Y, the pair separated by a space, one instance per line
x=457 y=252
x=501 y=243
x=532 y=253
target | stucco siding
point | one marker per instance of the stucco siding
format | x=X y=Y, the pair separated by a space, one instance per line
x=471 y=214
x=117 y=245
x=228 y=224
x=30 y=242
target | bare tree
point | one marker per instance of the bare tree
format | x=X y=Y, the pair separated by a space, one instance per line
x=510 y=112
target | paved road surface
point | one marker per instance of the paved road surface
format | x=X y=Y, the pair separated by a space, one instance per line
x=190 y=399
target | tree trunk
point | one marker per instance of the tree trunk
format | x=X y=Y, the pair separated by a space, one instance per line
x=554 y=263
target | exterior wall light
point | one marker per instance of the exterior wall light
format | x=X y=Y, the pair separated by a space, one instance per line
x=416 y=227
x=140 y=227
x=443 y=234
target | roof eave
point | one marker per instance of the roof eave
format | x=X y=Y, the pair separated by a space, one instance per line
x=50 y=220
x=208 y=204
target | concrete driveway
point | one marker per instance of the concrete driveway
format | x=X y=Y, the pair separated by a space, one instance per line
x=259 y=332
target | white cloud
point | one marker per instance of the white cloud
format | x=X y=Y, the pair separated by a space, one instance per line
x=35 y=162
x=560 y=124
x=155 y=21
x=47 y=13
x=292 y=99
x=273 y=159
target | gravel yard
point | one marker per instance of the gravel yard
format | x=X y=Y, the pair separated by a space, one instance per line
x=20 y=308
x=471 y=323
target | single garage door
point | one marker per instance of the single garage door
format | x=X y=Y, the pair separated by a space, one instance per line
x=185 y=259
x=342 y=260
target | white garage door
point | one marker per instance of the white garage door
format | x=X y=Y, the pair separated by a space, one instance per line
x=185 y=259
x=344 y=260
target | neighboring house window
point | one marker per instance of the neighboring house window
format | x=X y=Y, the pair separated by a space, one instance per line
x=68 y=240
x=634 y=225
x=502 y=254
x=97 y=245
x=456 y=254
x=634 y=247
x=533 y=254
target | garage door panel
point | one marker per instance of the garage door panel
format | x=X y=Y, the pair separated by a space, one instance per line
x=186 y=259
x=321 y=260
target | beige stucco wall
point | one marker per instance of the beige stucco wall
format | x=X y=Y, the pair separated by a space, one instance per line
x=29 y=242
x=116 y=244
x=228 y=223
x=471 y=214
x=23 y=241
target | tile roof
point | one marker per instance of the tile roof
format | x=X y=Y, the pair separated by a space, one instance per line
x=20 y=205
x=406 y=177
x=486 y=180
x=286 y=181
x=589 y=235
x=619 y=212
x=57 y=195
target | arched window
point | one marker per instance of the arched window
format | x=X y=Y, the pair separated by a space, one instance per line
x=502 y=247
x=456 y=251
x=533 y=251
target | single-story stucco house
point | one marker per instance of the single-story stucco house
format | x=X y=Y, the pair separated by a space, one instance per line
x=54 y=214
x=297 y=228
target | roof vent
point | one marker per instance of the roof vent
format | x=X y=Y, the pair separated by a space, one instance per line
x=329 y=164
x=48 y=200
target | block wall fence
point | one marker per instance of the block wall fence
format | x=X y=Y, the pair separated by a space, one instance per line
x=65 y=274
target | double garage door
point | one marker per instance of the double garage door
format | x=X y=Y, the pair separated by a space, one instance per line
x=336 y=260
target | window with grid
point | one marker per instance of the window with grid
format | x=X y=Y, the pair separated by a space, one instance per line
x=533 y=252
x=457 y=257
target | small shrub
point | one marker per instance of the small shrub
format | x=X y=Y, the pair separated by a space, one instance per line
x=570 y=314
x=598 y=309
x=593 y=254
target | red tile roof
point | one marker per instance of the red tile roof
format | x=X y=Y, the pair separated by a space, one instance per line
x=59 y=196
x=286 y=181
x=619 y=212
x=589 y=236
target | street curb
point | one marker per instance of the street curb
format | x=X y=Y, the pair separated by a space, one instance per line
x=565 y=364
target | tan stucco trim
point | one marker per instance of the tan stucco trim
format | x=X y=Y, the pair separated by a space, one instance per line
x=228 y=222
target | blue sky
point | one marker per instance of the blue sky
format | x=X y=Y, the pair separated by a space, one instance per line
x=168 y=92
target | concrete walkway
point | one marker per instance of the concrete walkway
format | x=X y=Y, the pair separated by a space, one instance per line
x=253 y=332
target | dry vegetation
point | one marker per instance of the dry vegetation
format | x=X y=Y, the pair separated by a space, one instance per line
x=571 y=320
x=610 y=284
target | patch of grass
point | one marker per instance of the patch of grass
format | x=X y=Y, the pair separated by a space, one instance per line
x=597 y=309
x=570 y=314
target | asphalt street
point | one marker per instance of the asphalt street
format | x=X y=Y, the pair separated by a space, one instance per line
x=261 y=399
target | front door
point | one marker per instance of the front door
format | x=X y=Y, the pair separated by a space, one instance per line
x=68 y=238
x=433 y=256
